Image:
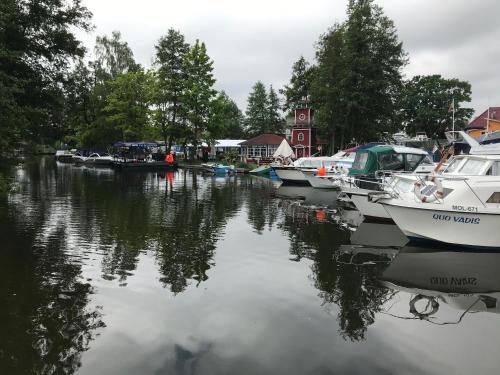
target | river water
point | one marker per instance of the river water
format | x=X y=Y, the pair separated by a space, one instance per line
x=103 y=272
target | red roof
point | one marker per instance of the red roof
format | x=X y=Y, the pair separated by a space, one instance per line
x=264 y=139
x=480 y=121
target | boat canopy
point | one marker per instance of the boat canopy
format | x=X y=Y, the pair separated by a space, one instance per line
x=136 y=144
x=386 y=158
x=284 y=150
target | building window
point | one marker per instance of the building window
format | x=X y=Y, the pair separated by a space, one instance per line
x=300 y=137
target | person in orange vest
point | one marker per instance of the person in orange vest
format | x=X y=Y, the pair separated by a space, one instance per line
x=170 y=158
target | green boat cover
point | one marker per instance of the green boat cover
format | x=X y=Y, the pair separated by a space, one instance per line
x=370 y=160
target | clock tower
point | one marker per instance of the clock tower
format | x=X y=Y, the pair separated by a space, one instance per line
x=303 y=135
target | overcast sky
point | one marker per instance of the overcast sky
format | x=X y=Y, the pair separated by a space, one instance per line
x=252 y=40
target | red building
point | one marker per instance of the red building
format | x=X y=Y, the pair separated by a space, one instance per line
x=303 y=134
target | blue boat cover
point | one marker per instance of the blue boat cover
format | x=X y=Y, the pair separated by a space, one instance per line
x=136 y=144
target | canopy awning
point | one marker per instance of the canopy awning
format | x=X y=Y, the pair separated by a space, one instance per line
x=136 y=144
x=284 y=150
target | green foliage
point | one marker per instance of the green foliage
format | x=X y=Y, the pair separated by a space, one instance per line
x=300 y=84
x=426 y=101
x=229 y=117
x=37 y=45
x=275 y=120
x=109 y=100
x=358 y=76
x=256 y=113
x=263 y=113
x=113 y=57
x=127 y=106
x=198 y=99
x=169 y=85
x=231 y=156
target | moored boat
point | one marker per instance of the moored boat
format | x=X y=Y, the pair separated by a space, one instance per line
x=64 y=156
x=459 y=207
x=98 y=159
x=262 y=170
x=373 y=169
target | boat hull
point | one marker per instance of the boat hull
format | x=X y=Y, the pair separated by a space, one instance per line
x=156 y=165
x=291 y=176
x=321 y=183
x=445 y=226
x=370 y=210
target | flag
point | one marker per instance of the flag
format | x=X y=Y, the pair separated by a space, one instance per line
x=451 y=108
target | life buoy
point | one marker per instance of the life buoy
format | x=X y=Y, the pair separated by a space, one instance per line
x=434 y=307
x=418 y=187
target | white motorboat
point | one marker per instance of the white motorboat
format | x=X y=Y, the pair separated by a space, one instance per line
x=292 y=174
x=461 y=206
x=79 y=158
x=373 y=169
x=64 y=156
x=98 y=159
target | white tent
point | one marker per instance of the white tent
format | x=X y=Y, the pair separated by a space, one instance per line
x=284 y=150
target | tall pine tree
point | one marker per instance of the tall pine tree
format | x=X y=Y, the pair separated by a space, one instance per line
x=299 y=86
x=275 y=120
x=170 y=85
x=257 y=119
x=200 y=94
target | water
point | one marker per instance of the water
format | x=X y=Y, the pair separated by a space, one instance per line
x=154 y=273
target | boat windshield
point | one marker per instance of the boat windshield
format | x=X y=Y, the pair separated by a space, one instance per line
x=453 y=166
x=360 y=161
x=473 y=167
x=467 y=167
x=391 y=162
x=316 y=163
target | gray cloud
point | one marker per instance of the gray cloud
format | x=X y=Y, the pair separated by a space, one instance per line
x=260 y=39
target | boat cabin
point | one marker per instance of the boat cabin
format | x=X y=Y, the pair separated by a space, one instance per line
x=389 y=158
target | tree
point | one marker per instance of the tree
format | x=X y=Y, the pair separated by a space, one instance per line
x=77 y=108
x=426 y=100
x=127 y=106
x=229 y=117
x=257 y=120
x=113 y=57
x=358 y=75
x=200 y=94
x=274 y=118
x=113 y=70
x=170 y=84
x=299 y=86
x=37 y=45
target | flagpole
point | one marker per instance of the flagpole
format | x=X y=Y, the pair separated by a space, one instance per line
x=453 y=114
x=488 y=121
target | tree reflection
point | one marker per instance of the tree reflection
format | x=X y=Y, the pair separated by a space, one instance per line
x=352 y=287
x=47 y=321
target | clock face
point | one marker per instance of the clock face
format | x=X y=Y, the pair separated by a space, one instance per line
x=302 y=117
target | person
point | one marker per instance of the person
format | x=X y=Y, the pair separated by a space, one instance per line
x=170 y=158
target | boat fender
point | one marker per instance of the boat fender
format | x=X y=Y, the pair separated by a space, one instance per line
x=418 y=187
x=424 y=315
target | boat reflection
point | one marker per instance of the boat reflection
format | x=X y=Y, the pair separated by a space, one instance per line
x=467 y=282
x=310 y=196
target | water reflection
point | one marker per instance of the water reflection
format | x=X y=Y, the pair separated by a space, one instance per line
x=219 y=274
x=46 y=321
x=466 y=282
